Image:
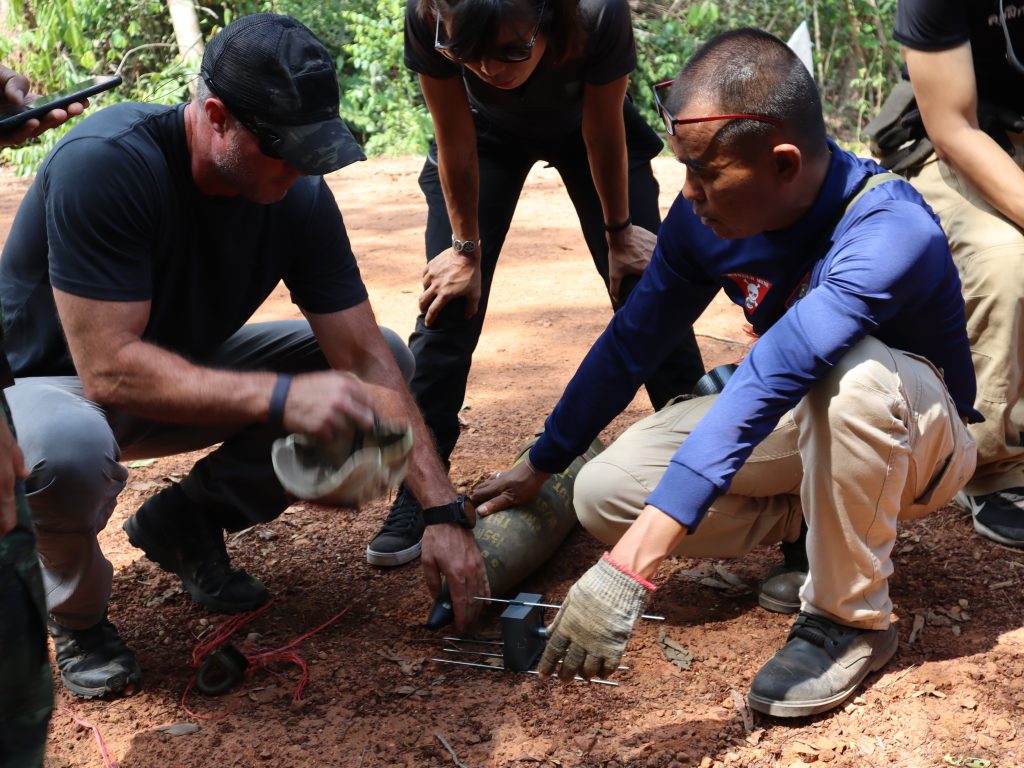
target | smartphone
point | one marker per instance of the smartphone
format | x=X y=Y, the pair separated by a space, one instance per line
x=12 y=117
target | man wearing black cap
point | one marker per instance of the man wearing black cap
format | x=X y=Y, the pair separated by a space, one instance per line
x=127 y=299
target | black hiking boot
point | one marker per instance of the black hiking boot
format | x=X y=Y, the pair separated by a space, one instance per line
x=95 y=661
x=820 y=665
x=780 y=590
x=175 y=534
x=399 y=539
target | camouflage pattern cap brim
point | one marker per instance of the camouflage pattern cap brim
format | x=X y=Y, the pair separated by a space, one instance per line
x=318 y=148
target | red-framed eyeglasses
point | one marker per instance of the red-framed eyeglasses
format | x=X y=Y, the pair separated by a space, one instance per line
x=671 y=122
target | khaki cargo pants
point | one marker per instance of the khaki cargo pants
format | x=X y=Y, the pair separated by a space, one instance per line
x=876 y=441
x=989 y=254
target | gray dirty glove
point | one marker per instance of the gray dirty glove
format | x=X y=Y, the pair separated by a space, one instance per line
x=347 y=472
x=590 y=631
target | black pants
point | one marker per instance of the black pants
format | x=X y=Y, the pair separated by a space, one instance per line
x=26 y=683
x=74 y=450
x=444 y=352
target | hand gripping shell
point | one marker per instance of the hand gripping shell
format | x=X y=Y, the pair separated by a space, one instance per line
x=348 y=472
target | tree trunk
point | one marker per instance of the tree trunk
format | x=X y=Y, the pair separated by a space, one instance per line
x=186 y=32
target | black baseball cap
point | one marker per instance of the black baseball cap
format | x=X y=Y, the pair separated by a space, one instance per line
x=273 y=70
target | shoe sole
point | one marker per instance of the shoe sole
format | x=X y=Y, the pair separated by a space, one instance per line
x=391 y=559
x=817 y=706
x=963 y=501
x=132 y=680
x=140 y=540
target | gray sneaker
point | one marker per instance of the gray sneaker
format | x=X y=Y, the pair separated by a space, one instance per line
x=400 y=538
x=821 y=664
x=997 y=516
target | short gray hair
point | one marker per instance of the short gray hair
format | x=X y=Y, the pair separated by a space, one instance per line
x=202 y=90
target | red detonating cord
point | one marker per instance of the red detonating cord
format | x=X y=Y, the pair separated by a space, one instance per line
x=216 y=638
x=108 y=761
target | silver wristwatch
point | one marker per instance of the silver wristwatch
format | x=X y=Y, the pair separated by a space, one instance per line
x=464 y=246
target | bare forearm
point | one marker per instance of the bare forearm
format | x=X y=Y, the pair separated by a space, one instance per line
x=946 y=91
x=145 y=380
x=457 y=162
x=652 y=537
x=606 y=152
x=460 y=182
x=604 y=133
x=987 y=167
x=427 y=476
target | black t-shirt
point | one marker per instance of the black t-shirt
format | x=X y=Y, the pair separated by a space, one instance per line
x=936 y=25
x=114 y=215
x=550 y=103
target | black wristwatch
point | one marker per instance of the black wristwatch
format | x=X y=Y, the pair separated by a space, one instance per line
x=454 y=512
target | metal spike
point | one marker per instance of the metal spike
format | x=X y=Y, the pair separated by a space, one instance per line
x=472 y=640
x=493 y=655
x=648 y=616
x=473 y=653
x=595 y=680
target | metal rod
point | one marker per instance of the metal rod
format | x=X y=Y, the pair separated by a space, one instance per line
x=474 y=653
x=472 y=640
x=494 y=655
x=648 y=616
x=596 y=680
x=470 y=664
x=516 y=602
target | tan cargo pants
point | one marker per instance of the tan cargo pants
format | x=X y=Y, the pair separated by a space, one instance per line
x=877 y=440
x=989 y=254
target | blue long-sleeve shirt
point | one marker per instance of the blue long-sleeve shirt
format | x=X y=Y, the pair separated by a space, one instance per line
x=880 y=267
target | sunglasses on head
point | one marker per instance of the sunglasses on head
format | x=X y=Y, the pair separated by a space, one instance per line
x=511 y=54
x=268 y=140
x=671 y=122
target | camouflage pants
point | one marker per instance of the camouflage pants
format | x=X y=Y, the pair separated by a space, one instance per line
x=26 y=684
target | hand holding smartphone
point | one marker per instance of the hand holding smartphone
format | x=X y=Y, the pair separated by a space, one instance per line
x=14 y=116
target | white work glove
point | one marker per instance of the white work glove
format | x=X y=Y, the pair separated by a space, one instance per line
x=590 y=631
x=350 y=471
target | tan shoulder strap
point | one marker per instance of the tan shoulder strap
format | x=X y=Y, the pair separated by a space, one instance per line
x=871 y=183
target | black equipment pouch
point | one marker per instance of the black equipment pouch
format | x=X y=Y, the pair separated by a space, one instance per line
x=898 y=140
x=896 y=135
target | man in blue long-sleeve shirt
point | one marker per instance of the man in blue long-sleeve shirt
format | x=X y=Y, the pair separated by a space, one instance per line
x=849 y=411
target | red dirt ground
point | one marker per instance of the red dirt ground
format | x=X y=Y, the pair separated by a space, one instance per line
x=954 y=692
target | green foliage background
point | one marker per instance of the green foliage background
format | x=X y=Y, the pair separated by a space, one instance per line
x=57 y=42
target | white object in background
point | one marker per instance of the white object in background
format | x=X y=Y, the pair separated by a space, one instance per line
x=800 y=42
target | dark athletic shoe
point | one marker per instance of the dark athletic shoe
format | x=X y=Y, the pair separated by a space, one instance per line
x=174 y=534
x=95 y=661
x=399 y=539
x=780 y=590
x=820 y=665
x=997 y=516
